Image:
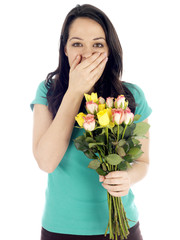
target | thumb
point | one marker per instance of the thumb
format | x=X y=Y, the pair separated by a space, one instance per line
x=75 y=62
x=101 y=178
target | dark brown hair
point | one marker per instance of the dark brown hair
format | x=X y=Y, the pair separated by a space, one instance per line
x=109 y=84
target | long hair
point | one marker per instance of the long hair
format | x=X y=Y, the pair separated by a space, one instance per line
x=109 y=84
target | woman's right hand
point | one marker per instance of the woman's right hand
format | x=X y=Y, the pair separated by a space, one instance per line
x=83 y=75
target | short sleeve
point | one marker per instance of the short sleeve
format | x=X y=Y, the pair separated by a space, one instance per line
x=142 y=106
x=40 y=97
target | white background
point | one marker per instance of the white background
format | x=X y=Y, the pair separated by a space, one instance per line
x=29 y=42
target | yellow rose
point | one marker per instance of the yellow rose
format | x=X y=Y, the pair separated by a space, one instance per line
x=79 y=118
x=111 y=124
x=109 y=112
x=101 y=107
x=93 y=97
x=103 y=117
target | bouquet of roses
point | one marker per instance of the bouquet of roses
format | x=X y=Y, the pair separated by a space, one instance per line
x=111 y=139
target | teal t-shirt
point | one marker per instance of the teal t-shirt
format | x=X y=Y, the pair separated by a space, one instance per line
x=76 y=202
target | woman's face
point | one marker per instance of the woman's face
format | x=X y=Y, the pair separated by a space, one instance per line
x=86 y=37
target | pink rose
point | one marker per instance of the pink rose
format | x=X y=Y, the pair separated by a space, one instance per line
x=117 y=116
x=89 y=122
x=109 y=102
x=120 y=102
x=128 y=116
x=101 y=100
x=91 y=107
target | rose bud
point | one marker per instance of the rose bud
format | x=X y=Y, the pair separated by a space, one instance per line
x=101 y=107
x=91 y=107
x=103 y=117
x=93 y=97
x=101 y=100
x=128 y=116
x=117 y=116
x=79 y=118
x=120 y=102
x=109 y=102
x=89 y=122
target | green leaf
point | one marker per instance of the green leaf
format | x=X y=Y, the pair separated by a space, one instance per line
x=122 y=166
x=100 y=171
x=113 y=159
x=115 y=129
x=135 y=152
x=94 y=164
x=141 y=128
x=128 y=158
x=137 y=117
x=104 y=167
x=120 y=129
x=95 y=144
x=80 y=138
x=129 y=130
x=100 y=138
x=81 y=146
x=90 y=154
x=120 y=151
x=90 y=140
x=135 y=141
x=121 y=142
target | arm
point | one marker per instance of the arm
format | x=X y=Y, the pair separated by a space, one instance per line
x=51 y=136
x=123 y=180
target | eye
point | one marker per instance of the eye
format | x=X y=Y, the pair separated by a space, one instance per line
x=77 y=44
x=98 y=45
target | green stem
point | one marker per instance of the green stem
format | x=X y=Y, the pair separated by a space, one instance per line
x=100 y=158
x=119 y=210
x=101 y=152
x=124 y=131
x=90 y=133
x=118 y=134
x=124 y=219
x=110 y=218
x=115 y=218
x=107 y=135
x=126 y=224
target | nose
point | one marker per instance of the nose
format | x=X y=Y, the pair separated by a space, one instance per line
x=87 y=52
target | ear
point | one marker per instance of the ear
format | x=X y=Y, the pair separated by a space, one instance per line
x=65 y=51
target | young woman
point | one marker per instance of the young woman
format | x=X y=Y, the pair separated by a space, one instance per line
x=90 y=59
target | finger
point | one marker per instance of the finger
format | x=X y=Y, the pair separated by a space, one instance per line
x=75 y=62
x=101 y=59
x=114 y=188
x=87 y=62
x=115 y=174
x=97 y=72
x=101 y=178
x=113 y=181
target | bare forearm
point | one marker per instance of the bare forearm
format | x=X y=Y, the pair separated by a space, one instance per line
x=53 y=144
x=138 y=171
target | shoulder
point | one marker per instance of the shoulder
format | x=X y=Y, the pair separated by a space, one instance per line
x=41 y=95
x=136 y=91
x=142 y=106
x=42 y=89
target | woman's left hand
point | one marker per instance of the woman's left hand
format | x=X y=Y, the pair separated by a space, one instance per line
x=117 y=183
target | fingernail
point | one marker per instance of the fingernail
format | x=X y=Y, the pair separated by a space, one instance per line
x=105 y=54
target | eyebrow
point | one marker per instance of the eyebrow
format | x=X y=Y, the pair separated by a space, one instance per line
x=95 y=39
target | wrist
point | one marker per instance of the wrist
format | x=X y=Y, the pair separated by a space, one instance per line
x=74 y=93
